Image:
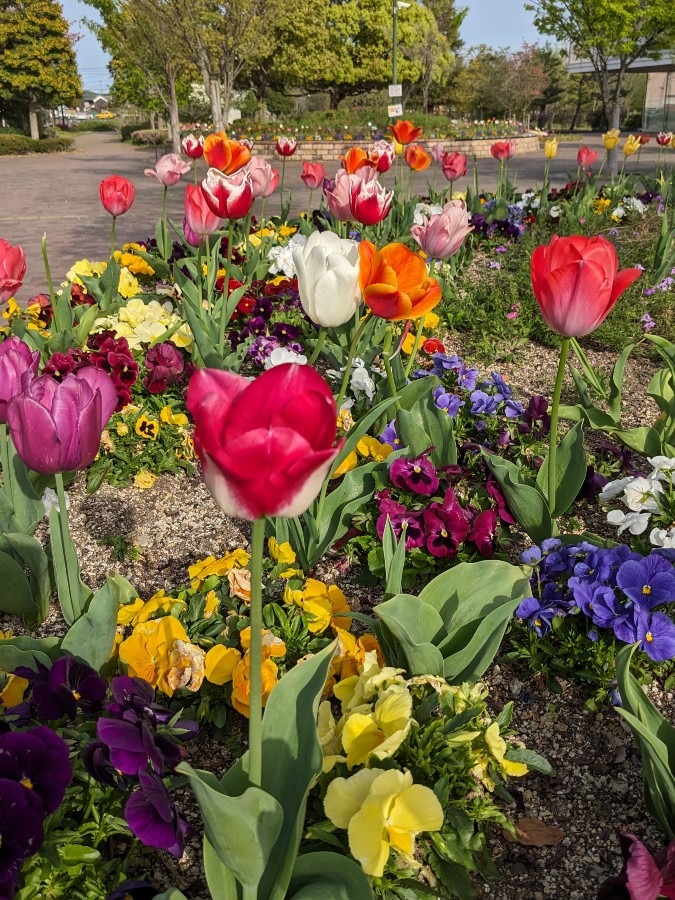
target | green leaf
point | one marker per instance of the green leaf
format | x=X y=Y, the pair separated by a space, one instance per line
x=27 y=651
x=78 y=854
x=417 y=627
x=394 y=560
x=28 y=507
x=36 y=561
x=616 y=382
x=16 y=598
x=411 y=433
x=644 y=440
x=526 y=502
x=92 y=636
x=357 y=431
x=328 y=876
x=570 y=471
x=532 y=760
x=73 y=594
x=172 y=894
x=220 y=880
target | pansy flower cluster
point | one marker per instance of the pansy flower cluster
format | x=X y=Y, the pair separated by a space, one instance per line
x=648 y=501
x=268 y=316
x=512 y=224
x=613 y=589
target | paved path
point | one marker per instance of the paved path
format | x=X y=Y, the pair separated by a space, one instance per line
x=58 y=194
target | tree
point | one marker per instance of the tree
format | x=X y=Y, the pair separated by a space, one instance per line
x=37 y=60
x=431 y=53
x=612 y=34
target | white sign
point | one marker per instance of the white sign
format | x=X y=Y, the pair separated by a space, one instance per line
x=396 y=109
x=395 y=90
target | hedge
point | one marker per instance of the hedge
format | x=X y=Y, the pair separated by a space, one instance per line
x=153 y=137
x=20 y=145
x=127 y=130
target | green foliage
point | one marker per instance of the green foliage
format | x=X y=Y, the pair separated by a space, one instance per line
x=127 y=130
x=20 y=145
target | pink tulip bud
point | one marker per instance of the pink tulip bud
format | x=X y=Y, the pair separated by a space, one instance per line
x=586 y=157
x=12 y=270
x=442 y=235
x=438 y=151
x=454 y=165
x=117 y=194
x=228 y=196
x=503 y=150
x=199 y=217
x=338 y=198
x=169 y=169
x=260 y=172
x=193 y=146
x=312 y=175
x=15 y=359
x=272 y=185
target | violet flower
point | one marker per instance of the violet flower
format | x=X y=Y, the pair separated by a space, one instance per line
x=133 y=744
x=655 y=632
x=39 y=760
x=133 y=890
x=15 y=359
x=21 y=833
x=648 y=582
x=59 y=691
x=153 y=817
x=643 y=877
x=446 y=526
x=484 y=532
x=416 y=475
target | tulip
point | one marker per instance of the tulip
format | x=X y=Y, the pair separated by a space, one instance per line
x=503 y=150
x=339 y=198
x=611 y=138
x=454 y=165
x=356 y=158
x=193 y=146
x=260 y=173
x=369 y=202
x=417 y=158
x=246 y=143
x=586 y=157
x=576 y=282
x=442 y=235
x=15 y=359
x=405 y=132
x=438 y=151
x=265 y=446
x=12 y=269
x=169 y=169
x=225 y=155
x=228 y=196
x=631 y=146
x=550 y=148
x=312 y=175
x=643 y=139
x=664 y=138
x=385 y=153
x=286 y=146
x=117 y=194
x=395 y=282
x=328 y=278
x=199 y=217
x=56 y=426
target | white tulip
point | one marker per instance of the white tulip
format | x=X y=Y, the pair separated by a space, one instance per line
x=328 y=278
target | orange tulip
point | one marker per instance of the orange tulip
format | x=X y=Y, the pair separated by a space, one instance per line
x=417 y=158
x=223 y=154
x=395 y=282
x=356 y=158
x=405 y=132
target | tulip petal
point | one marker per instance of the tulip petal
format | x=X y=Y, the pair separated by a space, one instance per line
x=335 y=297
x=574 y=299
x=209 y=397
x=623 y=280
x=34 y=435
x=368 y=839
x=644 y=876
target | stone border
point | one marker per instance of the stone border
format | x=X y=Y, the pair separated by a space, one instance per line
x=333 y=151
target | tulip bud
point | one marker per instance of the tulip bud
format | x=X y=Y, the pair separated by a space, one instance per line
x=385 y=153
x=199 y=217
x=193 y=146
x=15 y=359
x=550 y=148
x=405 y=132
x=611 y=138
x=117 y=194
x=663 y=138
x=586 y=157
x=312 y=175
x=369 y=202
x=417 y=158
x=12 y=270
x=286 y=146
x=454 y=165
x=169 y=169
x=631 y=146
x=338 y=198
x=503 y=150
x=328 y=278
x=228 y=196
x=442 y=235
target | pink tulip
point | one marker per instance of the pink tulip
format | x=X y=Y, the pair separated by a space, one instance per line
x=312 y=175
x=503 y=150
x=199 y=217
x=286 y=146
x=369 y=201
x=663 y=138
x=169 y=169
x=586 y=157
x=338 y=198
x=56 y=426
x=193 y=146
x=385 y=155
x=454 y=165
x=265 y=446
x=228 y=196
x=15 y=359
x=365 y=173
x=246 y=143
x=12 y=269
x=442 y=235
x=261 y=173
x=438 y=151
x=117 y=194
x=576 y=282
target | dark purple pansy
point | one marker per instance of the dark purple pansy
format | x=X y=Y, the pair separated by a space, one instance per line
x=69 y=684
x=153 y=817
x=484 y=532
x=133 y=744
x=39 y=760
x=643 y=876
x=538 y=614
x=648 y=582
x=416 y=475
x=133 y=890
x=446 y=528
x=96 y=760
x=21 y=834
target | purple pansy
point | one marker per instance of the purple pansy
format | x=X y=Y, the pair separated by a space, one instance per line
x=448 y=402
x=648 y=582
x=483 y=404
x=153 y=817
x=39 y=760
x=656 y=633
x=69 y=684
x=133 y=744
x=21 y=833
x=484 y=532
x=416 y=475
x=390 y=435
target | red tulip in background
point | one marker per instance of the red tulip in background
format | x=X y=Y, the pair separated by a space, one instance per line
x=586 y=157
x=117 y=194
x=663 y=138
x=576 y=282
x=385 y=153
x=454 y=165
x=503 y=150
x=193 y=146
x=312 y=175
x=228 y=196
x=266 y=445
x=12 y=269
x=405 y=132
x=286 y=146
x=369 y=201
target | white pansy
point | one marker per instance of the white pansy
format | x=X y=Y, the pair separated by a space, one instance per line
x=554 y=211
x=362 y=383
x=661 y=464
x=282 y=257
x=327 y=267
x=639 y=494
x=661 y=537
x=281 y=355
x=636 y=523
x=50 y=500
x=613 y=488
x=426 y=209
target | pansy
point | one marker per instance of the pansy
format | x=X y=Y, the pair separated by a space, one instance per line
x=204 y=568
x=648 y=582
x=153 y=817
x=39 y=760
x=241 y=683
x=147 y=652
x=498 y=748
x=417 y=475
x=655 y=632
x=378 y=734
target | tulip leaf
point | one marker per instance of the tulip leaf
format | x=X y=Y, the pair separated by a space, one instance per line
x=570 y=470
x=16 y=598
x=86 y=323
x=27 y=651
x=644 y=440
x=28 y=507
x=394 y=560
x=616 y=382
x=411 y=433
x=417 y=628
x=171 y=894
x=220 y=880
x=36 y=561
x=328 y=876
x=357 y=431
x=92 y=636
x=72 y=592
x=526 y=502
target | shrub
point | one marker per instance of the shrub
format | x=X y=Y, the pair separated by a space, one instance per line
x=150 y=136
x=20 y=145
x=93 y=125
x=127 y=130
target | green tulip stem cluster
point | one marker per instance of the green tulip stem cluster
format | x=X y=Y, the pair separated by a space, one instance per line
x=418 y=341
x=350 y=358
x=386 y=356
x=255 y=700
x=555 y=406
x=320 y=341
x=226 y=285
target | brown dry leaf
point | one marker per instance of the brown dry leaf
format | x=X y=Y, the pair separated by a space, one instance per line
x=535 y=833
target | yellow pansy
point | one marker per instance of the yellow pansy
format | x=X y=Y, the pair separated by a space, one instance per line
x=183 y=336
x=380 y=733
x=203 y=568
x=431 y=320
x=13 y=691
x=239 y=581
x=241 y=683
x=498 y=747
x=318 y=612
x=127 y=613
x=159 y=602
x=281 y=553
x=135 y=264
x=550 y=148
x=128 y=285
x=371 y=680
x=122 y=429
x=337 y=602
x=457 y=195
x=611 y=138
x=133 y=313
x=600 y=205
x=408 y=343
x=286 y=231
x=86 y=268
x=168 y=416
x=146 y=427
x=271 y=644
x=329 y=737
x=382 y=810
x=144 y=480
x=292 y=597
x=146 y=653
x=187 y=667
x=220 y=664
x=631 y=146
x=211 y=604
x=370 y=446
x=347 y=464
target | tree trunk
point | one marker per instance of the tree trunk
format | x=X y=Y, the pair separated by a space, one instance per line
x=225 y=97
x=174 y=119
x=425 y=97
x=613 y=111
x=216 y=105
x=33 y=121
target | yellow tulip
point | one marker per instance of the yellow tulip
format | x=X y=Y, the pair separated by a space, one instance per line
x=382 y=811
x=550 y=148
x=611 y=138
x=631 y=146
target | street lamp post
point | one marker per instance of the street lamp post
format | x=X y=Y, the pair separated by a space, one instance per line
x=397 y=4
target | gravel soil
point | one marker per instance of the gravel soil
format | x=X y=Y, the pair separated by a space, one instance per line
x=597 y=787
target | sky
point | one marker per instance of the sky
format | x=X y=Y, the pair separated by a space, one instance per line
x=498 y=23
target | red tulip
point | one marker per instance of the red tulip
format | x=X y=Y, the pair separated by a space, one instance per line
x=266 y=445
x=663 y=138
x=312 y=175
x=369 y=201
x=117 y=194
x=576 y=282
x=503 y=150
x=286 y=146
x=228 y=196
x=385 y=153
x=454 y=165
x=12 y=269
x=193 y=146
x=586 y=157
x=198 y=214
x=643 y=139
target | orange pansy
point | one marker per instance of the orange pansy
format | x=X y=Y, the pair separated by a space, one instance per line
x=395 y=282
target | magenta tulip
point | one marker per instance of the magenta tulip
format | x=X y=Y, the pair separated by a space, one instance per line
x=312 y=175
x=454 y=165
x=193 y=146
x=169 y=169
x=503 y=150
x=586 y=157
x=266 y=445
x=12 y=269
x=261 y=174
x=228 y=196
x=442 y=235
x=576 y=282
x=198 y=215
x=56 y=426
x=369 y=201
x=15 y=359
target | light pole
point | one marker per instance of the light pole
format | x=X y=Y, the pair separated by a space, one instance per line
x=397 y=4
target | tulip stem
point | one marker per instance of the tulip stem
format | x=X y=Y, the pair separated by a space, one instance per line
x=416 y=345
x=224 y=318
x=386 y=356
x=255 y=670
x=281 y=186
x=112 y=237
x=350 y=357
x=4 y=461
x=552 y=474
x=69 y=580
x=48 y=271
x=309 y=205
x=320 y=341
